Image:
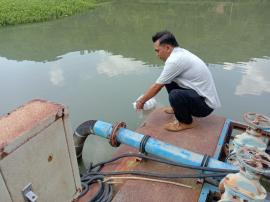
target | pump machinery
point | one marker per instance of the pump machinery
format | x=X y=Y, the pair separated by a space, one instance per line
x=245 y=154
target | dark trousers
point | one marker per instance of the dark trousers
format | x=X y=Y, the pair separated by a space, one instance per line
x=186 y=103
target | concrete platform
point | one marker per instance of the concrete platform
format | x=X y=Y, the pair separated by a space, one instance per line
x=201 y=139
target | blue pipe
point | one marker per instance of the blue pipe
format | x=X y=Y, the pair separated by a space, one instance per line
x=157 y=148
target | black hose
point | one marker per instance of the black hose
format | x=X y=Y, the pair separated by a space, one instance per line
x=164 y=162
x=105 y=191
x=158 y=175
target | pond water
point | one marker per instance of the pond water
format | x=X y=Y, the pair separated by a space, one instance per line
x=98 y=62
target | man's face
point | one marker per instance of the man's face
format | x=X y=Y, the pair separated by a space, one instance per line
x=163 y=51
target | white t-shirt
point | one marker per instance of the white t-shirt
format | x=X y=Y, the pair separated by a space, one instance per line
x=189 y=71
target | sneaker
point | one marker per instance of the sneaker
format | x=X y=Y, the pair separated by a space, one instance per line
x=176 y=126
x=168 y=110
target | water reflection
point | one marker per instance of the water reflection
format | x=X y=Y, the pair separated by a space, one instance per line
x=256 y=79
x=115 y=65
x=56 y=76
x=95 y=76
x=220 y=8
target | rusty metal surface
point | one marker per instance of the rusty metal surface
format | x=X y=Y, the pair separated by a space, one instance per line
x=201 y=139
x=21 y=120
x=154 y=191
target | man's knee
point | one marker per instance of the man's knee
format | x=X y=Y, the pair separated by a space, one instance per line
x=176 y=97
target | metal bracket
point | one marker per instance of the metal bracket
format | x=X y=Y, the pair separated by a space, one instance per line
x=28 y=194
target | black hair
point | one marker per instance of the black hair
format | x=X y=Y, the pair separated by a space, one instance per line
x=165 y=37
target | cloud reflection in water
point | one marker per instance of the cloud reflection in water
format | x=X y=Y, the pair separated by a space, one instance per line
x=115 y=65
x=56 y=76
x=255 y=79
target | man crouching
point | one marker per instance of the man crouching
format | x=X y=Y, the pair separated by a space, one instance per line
x=189 y=83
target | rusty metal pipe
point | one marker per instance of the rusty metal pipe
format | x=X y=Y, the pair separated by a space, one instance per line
x=80 y=135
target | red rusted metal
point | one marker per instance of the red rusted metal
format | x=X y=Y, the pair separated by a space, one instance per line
x=115 y=128
x=23 y=119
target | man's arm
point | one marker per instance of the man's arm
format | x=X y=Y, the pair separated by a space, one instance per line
x=151 y=92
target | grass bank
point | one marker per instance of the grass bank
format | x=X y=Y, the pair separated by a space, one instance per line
x=26 y=11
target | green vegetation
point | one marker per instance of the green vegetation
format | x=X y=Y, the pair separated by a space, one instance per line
x=26 y=11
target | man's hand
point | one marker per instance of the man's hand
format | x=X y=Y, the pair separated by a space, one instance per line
x=151 y=92
x=139 y=105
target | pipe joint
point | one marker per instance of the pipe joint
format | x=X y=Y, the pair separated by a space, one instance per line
x=113 y=136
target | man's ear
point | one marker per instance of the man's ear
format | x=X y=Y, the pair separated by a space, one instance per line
x=168 y=47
